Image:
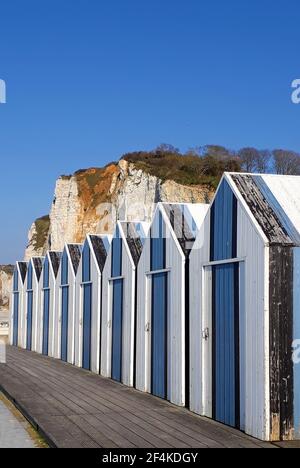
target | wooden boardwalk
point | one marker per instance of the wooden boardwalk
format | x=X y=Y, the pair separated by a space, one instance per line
x=75 y=408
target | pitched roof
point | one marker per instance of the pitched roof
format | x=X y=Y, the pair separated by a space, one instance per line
x=23 y=270
x=55 y=258
x=75 y=255
x=273 y=205
x=132 y=232
x=185 y=229
x=100 y=250
x=38 y=265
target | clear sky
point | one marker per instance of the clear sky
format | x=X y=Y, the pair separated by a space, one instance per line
x=88 y=80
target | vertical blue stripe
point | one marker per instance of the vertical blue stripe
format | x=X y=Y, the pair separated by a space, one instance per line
x=87 y=324
x=296 y=313
x=86 y=263
x=158 y=244
x=46 y=273
x=65 y=268
x=46 y=306
x=29 y=319
x=16 y=280
x=16 y=319
x=159 y=334
x=29 y=276
x=225 y=344
x=224 y=224
x=116 y=259
x=64 y=322
x=117 y=319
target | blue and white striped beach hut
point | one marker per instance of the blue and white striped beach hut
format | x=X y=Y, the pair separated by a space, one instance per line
x=245 y=307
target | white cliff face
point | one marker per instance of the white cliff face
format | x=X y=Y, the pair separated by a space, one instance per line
x=5 y=287
x=90 y=202
x=65 y=213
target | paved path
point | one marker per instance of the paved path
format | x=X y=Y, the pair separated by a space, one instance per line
x=13 y=429
x=75 y=408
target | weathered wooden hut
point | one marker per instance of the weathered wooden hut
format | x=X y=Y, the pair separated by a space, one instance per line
x=17 y=306
x=64 y=328
x=119 y=302
x=89 y=302
x=49 y=293
x=245 y=307
x=162 y=353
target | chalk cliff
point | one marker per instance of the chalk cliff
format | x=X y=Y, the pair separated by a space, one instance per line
x=91 y=200
x=6 y=272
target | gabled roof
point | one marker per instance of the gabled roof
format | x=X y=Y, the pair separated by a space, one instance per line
x=183 y=224
x=75 y=255
x=100 y=248
x=133 y=233
x=55 y=258
x=23 y=270
x=38 y=266
x=274 y=201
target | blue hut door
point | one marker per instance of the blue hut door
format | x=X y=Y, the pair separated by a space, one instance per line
x=46 y=322
x=16 y=319
x=117 y=318
x=226 y=355
x=29 y=319
x=87 y=322
x=159 y=334
x=64 y=322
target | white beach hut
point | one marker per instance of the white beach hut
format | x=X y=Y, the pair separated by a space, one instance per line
x=64 y=325
x=89 y=302
x=17 y=306
x=119 y=302
x=245 y=307
x=49 y=293
x=162 y=305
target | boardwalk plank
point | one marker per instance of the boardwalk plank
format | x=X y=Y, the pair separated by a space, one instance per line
x=76 y=408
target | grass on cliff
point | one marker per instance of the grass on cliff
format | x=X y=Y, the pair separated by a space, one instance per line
x=42 y=226
x=186 y=169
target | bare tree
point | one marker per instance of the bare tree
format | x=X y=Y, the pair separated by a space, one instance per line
x=264 y=161
x=249 y=157
x=286 y=162
x=167 y=148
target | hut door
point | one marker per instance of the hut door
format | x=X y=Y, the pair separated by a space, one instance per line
x=29 y=319
x=16 y=319
x=46 y=321
x=64 y=322
x=87 y=322
x=159 y=334
x=226 y=356
x=117 y=317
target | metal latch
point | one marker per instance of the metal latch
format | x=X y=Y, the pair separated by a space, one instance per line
x=205 y=334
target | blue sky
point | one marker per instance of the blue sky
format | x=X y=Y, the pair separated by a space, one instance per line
x=88 y=80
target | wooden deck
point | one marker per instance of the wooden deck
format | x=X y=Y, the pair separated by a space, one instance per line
x=75 y=408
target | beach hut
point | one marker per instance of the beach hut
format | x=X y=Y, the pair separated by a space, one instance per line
x=64 y=325
x=48 y=309
x=119 y=302
x=33 y=298
x=17 y=336
x=162 y=304
x=245 y=307
x=88 y=302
